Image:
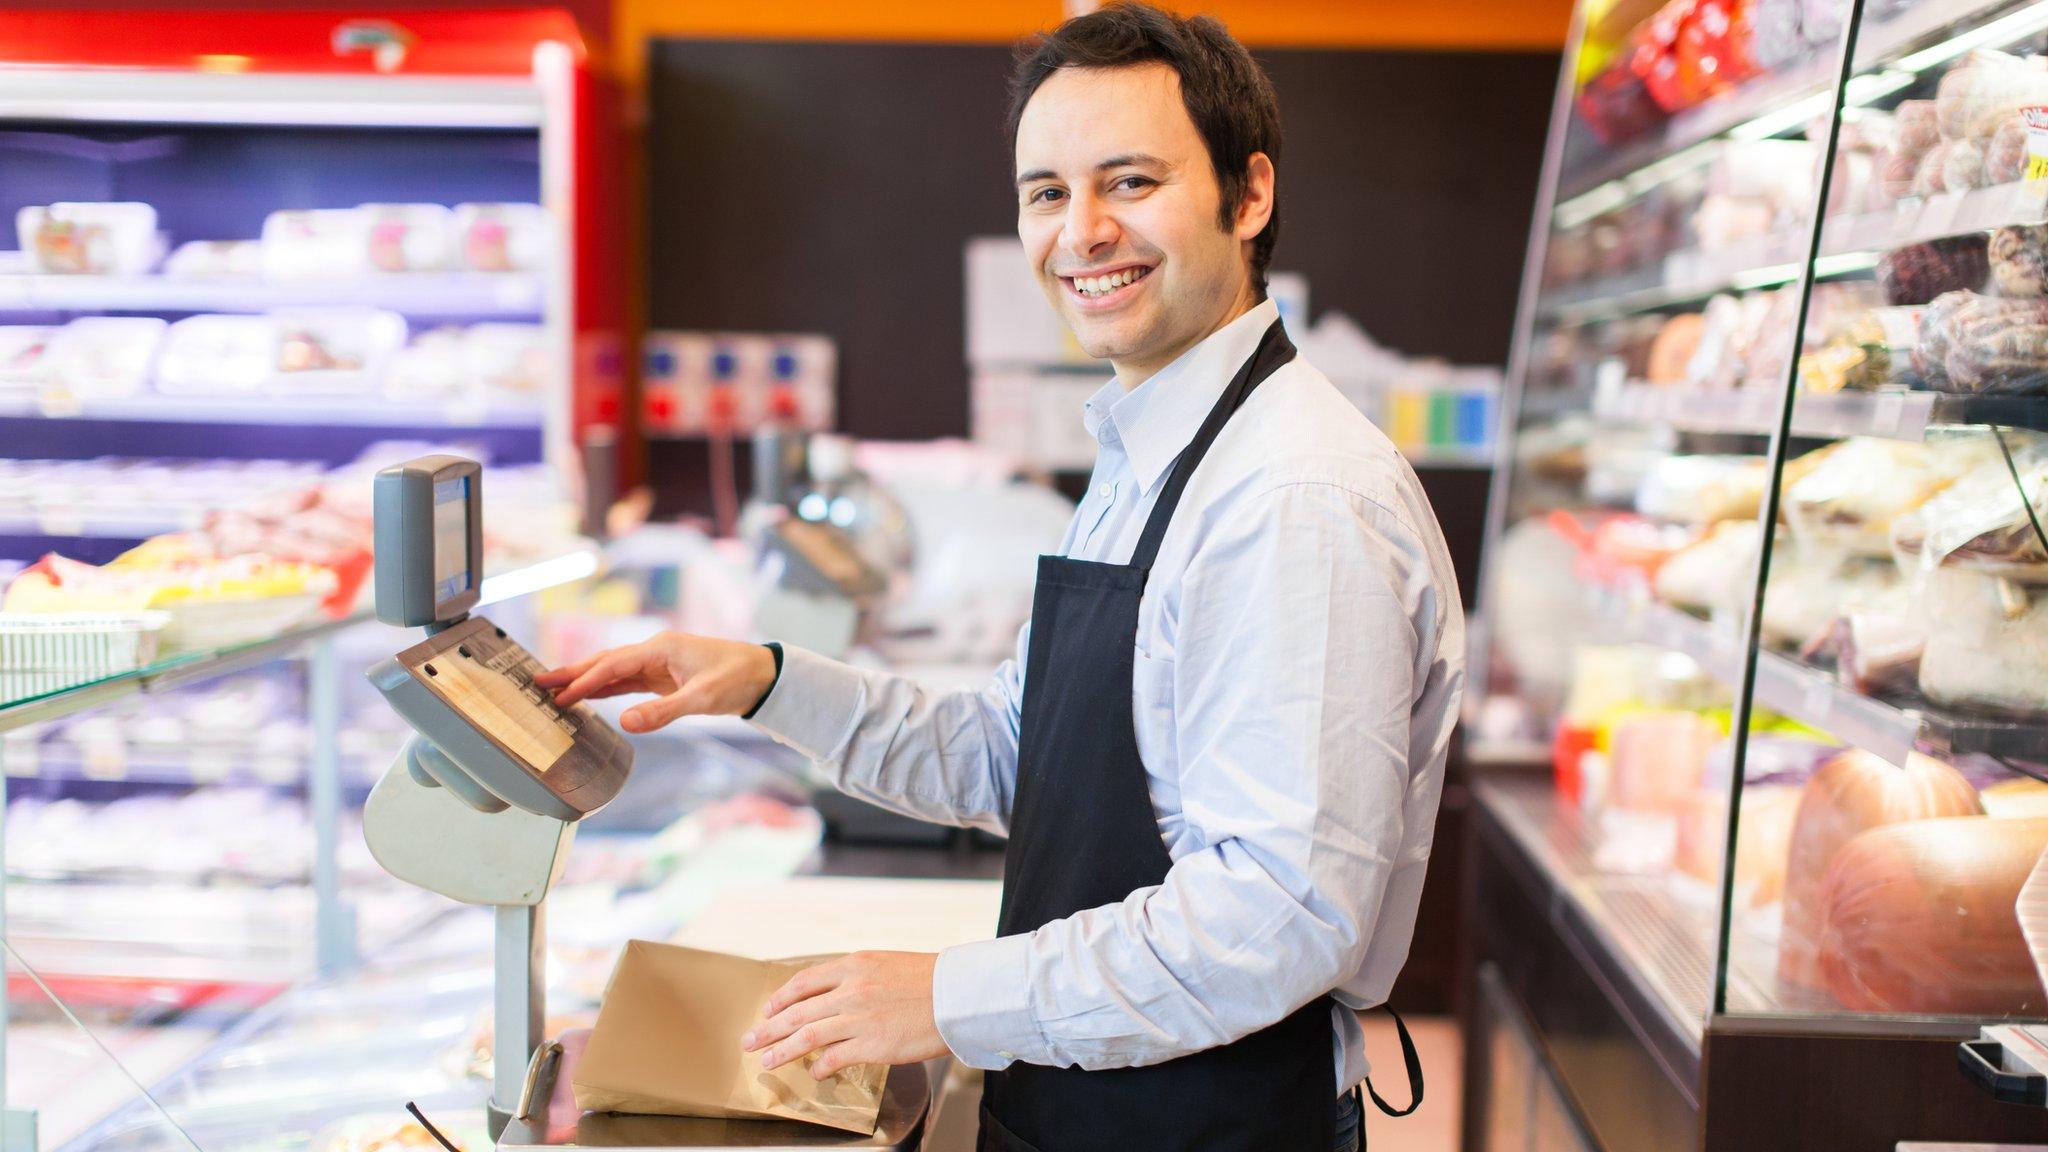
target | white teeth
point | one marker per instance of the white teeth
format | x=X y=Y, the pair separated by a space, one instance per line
x=1126 y=276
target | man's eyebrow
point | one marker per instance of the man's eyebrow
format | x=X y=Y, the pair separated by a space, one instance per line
x=1125 y=160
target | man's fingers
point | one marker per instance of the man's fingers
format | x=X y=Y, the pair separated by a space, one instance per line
x=836 y=1058
x=789 y=1020
x=556 y=677
x=684 y=701
x=804 y=985
x=806 y=1040
x=602 y=671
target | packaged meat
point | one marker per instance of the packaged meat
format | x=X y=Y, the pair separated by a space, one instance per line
x=313 y=242
x=104 y=356
x=1929 y=179
x=1713 y=50
x=1821 y=21
x=344 y=350
x=1930 y=351
x=200 y=259
x=1709 y=576
x=1872 y=351
x=1728 y=324
x=1981 y=85
x=1921 y=917
x=431 y=367
x=2019 y=259
x=1917 y=273
x=1893 y=179
x=1962 y=167
x=508 y=358
x=1850 y=794
x=1762 y=839
x=1850 y=492
x=1676 y=342
x=217 y=355
x=1655 y=759
x=1877 y=643
x=1777 y=36
x=100 y=239
x=408 y=237
x=1617 y=106
x=1704 y=489
x=1987 y=643
x=503 y=237
x=1653 y=55
x=1805 y=595
x=2005 y=154
x=1997 y=346
x=1981 y=521
x=24 y=358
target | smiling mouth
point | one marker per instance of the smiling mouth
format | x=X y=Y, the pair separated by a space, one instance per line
x=1106 y=285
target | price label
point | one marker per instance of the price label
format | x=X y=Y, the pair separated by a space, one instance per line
x=1817 y=701
x=2036 y=120
x=1885 y=412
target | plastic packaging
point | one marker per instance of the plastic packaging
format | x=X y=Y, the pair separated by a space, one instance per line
x=217 y=354
x=101 y=239
x=507 y=358
x=345 y=350
x=105 y=356
x=1920 y=918
x=1850 y=794
x=25 y=358
x=1987 y=643
x=1850 y=492
x=2019 y=259
x=1981 y=521
x=1980 y=87
x=430 y=367
x=1997 y=346
x=199 y=259
x=502 y=237
x=1709 y=575
x=1917 y=273
x=408 y=237
x=307 y=243
x=1703 y=489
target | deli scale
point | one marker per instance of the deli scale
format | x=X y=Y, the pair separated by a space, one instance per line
x=482 y=807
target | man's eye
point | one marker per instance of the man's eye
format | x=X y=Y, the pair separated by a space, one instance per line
x=1133 y=183
x=1044 y=196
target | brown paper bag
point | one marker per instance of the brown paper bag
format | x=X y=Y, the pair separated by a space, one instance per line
x=667 y=1041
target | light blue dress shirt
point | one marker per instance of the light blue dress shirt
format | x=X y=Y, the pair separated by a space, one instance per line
x=1299 y=661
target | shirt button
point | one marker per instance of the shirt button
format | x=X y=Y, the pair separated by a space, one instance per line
x=1104 y=491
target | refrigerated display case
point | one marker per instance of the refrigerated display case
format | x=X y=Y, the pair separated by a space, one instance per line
x=1761 y=575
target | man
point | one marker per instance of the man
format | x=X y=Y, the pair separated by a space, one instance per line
x=1219 y=751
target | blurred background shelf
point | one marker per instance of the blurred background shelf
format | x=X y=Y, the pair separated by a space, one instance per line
x=509 y=295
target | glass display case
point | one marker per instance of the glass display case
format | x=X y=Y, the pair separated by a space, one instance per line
x=1761 y=581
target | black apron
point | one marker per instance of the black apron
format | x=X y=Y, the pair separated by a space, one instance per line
x=1082 y=835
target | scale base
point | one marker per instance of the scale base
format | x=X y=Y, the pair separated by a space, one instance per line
x=551 y=1119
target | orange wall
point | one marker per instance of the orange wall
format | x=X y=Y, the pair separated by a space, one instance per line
x=1414 y=24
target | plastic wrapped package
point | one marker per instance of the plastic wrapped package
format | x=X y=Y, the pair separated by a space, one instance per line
x=1997 y=346
x=1848 y=795
x=1673 y=350
x=1724 y=221
x=1920 y=918
x=24 y=358
x=1806 y=595
x=1655 y=759
x=200 y=259
x=1987 y=643
x=101 y=239
x=2005 y=153
x=1981 y=520
x=1917 y=273
x=2019 y=259
x=344 y=350
x=1710 y=574
x=1704 y=489
x=1872 y=351
x=408 y=237
x=1847 y=494
x=1714 y=49
x=508 y=358
x=1653 y=55
x=105 y=356
x=217 y=354
x=1820 y=21
x=1980 y=87
x=429 y=367
x=1777 y=34
x=1916 y=127
x=1962 y=167
x=1616 y=105
x=1761 y=841
x=1877 y=642
x=1930 y=351
x=503 y=237
x=1930 y=178
x=1728 y=325
x=305 y=243
x=1770 y=346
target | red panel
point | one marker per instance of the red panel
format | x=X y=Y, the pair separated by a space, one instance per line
x=482 y=42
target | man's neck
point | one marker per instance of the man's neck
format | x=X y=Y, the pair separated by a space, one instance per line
x=1132 y=375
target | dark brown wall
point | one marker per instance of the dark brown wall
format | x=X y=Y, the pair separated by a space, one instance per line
x=829 y=187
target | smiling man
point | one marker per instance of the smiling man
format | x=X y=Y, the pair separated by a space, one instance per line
x=1219 y=751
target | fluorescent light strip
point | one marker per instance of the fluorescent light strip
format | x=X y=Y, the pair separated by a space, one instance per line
x=1765 y=277
x=535 y=577
x=2005 y=30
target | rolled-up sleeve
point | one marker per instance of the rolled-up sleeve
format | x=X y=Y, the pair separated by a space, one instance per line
x=949 y=757
x=1304 y=622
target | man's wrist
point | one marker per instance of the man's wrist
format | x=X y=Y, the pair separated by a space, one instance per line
x=774 y=649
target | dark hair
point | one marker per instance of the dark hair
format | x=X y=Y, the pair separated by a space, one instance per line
x=1225 y=91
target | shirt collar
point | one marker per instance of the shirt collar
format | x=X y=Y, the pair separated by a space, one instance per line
x=1158 y=418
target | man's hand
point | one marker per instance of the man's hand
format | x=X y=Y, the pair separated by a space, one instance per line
x=693 y=675
x=863 y=1008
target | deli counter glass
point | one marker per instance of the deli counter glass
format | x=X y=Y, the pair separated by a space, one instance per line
x=1762 y=617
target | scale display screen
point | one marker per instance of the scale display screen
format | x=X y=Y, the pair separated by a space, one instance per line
x=451 y=538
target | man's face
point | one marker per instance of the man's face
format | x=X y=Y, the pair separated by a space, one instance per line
x=1117 y=205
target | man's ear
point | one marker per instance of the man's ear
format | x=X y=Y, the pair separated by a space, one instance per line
x=1256 y=208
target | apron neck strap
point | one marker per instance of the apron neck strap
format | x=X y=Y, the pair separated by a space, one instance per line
x=1273 y=351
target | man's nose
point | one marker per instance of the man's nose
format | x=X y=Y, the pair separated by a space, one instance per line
x=1088 y=228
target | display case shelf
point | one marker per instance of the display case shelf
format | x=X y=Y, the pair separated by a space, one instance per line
x=501 y=295
x=1813 y=696
x=1894 y=414
x=1681 y=277
x=370 y=410
x=1917 y=220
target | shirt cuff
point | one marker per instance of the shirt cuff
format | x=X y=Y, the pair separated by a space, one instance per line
x=813 y=704
x=981 y=1000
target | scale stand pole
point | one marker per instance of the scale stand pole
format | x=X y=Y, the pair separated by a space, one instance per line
x=519 y=974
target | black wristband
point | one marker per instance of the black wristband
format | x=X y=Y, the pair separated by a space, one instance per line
x=776 y=649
